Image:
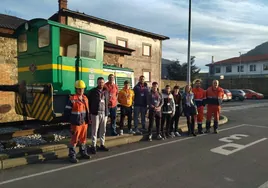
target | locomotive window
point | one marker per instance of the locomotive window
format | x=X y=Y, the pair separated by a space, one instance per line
x=43 y=36
x=69 y=43
x=22 y=42
x=88 y=46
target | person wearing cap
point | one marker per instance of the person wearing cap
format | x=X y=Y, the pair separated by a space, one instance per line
x=125 y=98
x=77 y=113
x=112 y=89
x=155 y=101
x=98 y=100
x=174 y=126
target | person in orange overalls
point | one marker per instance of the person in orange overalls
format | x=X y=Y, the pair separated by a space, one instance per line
x=214 y=99
x=77 y=113
x=199 y=96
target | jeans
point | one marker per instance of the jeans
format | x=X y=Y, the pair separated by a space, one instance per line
x=166 y=118
x=174 y=126
x=113 y=119
x=139 y=110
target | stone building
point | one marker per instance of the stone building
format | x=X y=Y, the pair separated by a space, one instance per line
x=8 y=65
x=146 y=57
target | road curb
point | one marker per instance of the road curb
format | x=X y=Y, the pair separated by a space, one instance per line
x=59 y=151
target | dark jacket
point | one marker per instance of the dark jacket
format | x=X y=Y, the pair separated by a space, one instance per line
x=156 y=101
x=141 y=95
x=77 y=111
x=189 y=110
x=169 y=104
x=178 y=102
x=94 y=101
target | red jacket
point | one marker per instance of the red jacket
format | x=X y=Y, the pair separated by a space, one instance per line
x=199 y=96
x=214 y=96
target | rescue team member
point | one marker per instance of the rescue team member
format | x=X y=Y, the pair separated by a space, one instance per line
x=199 y=97
x=112 y=88
x=77 y=113
x=155 y=102
x=174 y=125
x=98 y=99
x=140 y=103
x=189 y=109
x=214 y=99
x=168 y=111
x=125 y=98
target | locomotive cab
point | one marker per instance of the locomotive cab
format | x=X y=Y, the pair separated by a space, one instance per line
x=51 y=57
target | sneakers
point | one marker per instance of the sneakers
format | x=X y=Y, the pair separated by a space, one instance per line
x=131 y=131
x=150 y=137
x=172 y=135
x=73 y=160
x=207 y=131
x=144 y=130
x=177 y=134
x=121 y=132
x=216 y=131
x=138 y=131
x=103 y=148
x=159 y=137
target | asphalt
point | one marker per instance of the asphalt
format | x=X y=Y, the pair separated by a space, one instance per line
x=200 y=161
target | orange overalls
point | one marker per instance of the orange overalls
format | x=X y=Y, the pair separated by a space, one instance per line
x=213 y=101
x=77 y=112
x=199 y=96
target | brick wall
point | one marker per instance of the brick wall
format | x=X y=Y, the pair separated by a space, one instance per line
x=9 y=75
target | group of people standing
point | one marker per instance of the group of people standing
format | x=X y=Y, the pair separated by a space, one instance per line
x=165 y=109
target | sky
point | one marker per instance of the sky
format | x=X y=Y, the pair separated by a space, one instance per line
x=220 y=28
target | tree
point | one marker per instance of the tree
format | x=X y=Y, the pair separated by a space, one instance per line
x=178 y=71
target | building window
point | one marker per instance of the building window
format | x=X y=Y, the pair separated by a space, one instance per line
x=22 y=42
x=252 y=68
x=122 y=42
x=240 y=68
x=147 y=76
x=265 y=67
x=228 y=68
x=43 y=36
x=217 y=69
x=146 y=50
x=88 y=46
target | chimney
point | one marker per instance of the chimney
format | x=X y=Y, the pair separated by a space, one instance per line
x=63 y=4
x=212 y=59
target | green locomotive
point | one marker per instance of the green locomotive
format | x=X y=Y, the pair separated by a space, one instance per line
x=51 y=57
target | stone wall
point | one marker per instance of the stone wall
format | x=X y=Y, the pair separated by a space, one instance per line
x=113 y=59
x=9 y=76
x=137 y=61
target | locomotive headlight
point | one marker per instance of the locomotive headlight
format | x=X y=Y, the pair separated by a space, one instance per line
x=26 y=26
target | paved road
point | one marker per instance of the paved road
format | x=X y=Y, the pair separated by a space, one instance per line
x=236 y=157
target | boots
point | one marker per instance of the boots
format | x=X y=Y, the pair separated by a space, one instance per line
x=216 y=125
x=192 y=129
x=208 y=124
x=83 y=152
x=200 y=129
x=72 y=155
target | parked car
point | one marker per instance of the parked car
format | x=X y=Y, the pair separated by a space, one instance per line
x=238 y=94
x=227 y=95
x=250 y=94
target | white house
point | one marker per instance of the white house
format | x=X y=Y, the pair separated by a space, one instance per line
x=246 y=66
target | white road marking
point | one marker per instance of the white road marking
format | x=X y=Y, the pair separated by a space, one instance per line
x=258 y=126
x=105 y=158
x=265 y=185
x=221 y=149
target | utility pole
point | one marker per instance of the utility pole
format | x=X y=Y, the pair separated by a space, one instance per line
x=240 y=66
x=189 y=45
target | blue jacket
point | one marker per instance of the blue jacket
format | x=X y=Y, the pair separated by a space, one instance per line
x=141 y=95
